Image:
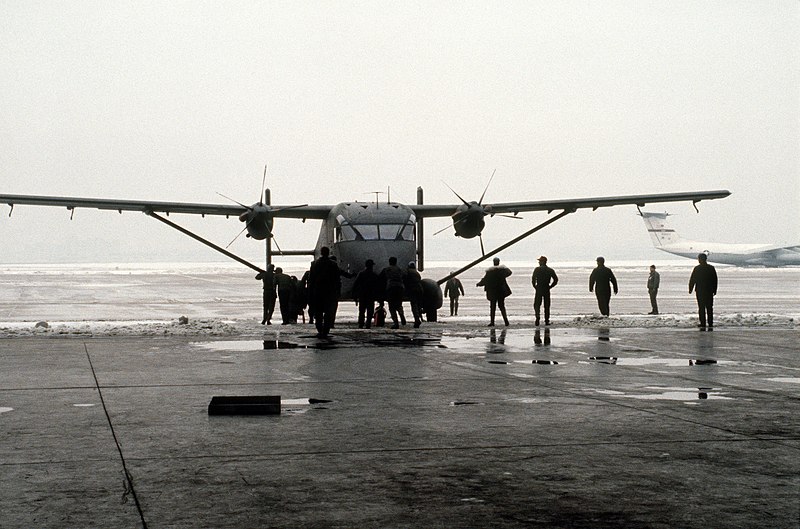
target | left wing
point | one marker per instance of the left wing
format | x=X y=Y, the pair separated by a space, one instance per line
x=149 y=206
x=432 y=210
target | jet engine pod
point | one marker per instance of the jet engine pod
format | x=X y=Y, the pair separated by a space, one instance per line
x=432 y=298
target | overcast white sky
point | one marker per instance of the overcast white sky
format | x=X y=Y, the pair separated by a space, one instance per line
x=181 y=100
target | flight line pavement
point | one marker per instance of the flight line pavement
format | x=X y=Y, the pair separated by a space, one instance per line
x=444 y=426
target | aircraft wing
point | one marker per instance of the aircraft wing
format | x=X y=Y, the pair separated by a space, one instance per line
x=432 y=210
x=146 y=206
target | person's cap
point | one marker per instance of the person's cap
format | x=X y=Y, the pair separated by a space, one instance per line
x=601 y=259
x=542 y=258
x=496 y=260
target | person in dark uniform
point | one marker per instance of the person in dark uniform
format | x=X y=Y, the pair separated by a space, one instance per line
x=392 y=278
x=543 y=279
x=653 y=281
x=600 y=282
x=497 y=289
x=365 y=292
x=267 y=279
x=412 y=282
x=704 y=282
x=323 y=291
x=453 y=289
x=285 y=292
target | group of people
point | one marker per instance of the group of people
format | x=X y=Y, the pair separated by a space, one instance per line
x=320 y=289
x=602 y=282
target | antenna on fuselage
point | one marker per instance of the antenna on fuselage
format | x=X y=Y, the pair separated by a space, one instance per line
x=377 y=193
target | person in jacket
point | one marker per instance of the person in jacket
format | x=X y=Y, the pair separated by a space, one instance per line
x=704 y=282
x=392 y=279
x=323 y=291
x=366 y=290
x=497 y=289
x=543 y=279
x=601 y=281
x=412 y=282
x=267 y=279
x=653 y=281
x=453 y=289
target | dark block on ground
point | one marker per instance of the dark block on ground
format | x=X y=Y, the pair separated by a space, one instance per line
x=245 y=405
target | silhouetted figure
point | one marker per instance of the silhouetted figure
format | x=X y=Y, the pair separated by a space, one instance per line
x=267 y=279
x=704 y=282
x=412 y=282
x=392 y=278
x=600 y=282
x=285 y=292
x=453 y=289
x=342 y=273
x=497 y=289
x=323 y=291
x=543 y=279
x=304 y=280
x=366 y=289
x=653 y=281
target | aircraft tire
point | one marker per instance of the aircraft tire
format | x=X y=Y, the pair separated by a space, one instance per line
x=432 y=298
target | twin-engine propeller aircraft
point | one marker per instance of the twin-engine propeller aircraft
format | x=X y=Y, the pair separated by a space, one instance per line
x=357 y=231
x=667 y=239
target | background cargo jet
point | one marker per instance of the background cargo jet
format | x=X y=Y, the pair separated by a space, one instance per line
x=666 y=239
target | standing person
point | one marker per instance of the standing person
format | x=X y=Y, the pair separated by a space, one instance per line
x=600 y=282
x=497 y=289
x=285 y=292
x=342 y=273
x=267 y=279
x=412 y=282
x=543 y=279
x=704 y=282
x=392 y=277
x=453 y=289
x=323 y=292
x=653 y=280
x=365 y=292
x=304 y=281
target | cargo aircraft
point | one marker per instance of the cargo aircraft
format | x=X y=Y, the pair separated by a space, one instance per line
x=667 y=240
x=357 y=231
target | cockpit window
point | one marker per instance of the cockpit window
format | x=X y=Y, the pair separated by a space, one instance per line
x=373 y=232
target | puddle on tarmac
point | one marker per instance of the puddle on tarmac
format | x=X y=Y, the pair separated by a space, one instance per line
x=790 y=380
x=669 y=393
x=466 y=403
x=312 y=342
x=84 y=405
x=5 y=410
x=650 y=361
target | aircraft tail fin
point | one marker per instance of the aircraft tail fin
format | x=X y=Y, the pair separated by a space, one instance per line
x=660 y=233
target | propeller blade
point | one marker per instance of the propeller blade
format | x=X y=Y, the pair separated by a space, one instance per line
x=278 y=246
x=289 y=207
x=263 y=184
x=239 y=235
x=456 y=194
x=487 y=187
x=483 y=252
x=235 y=201
x=443 y=229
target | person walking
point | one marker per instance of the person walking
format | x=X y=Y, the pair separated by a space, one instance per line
x=543 y=280
x=267 y=279
x=323 y=291
x=497 y=289
x=600 y=282
x=704 y=282
x=653 y=280
x=392 y=278
x=365 y=292
x=453 y=289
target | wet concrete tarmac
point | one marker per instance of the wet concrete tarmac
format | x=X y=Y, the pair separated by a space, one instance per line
x=442 y=427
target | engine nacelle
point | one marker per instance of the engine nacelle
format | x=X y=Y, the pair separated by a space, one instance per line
x=468 y=220
x=259 y=221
